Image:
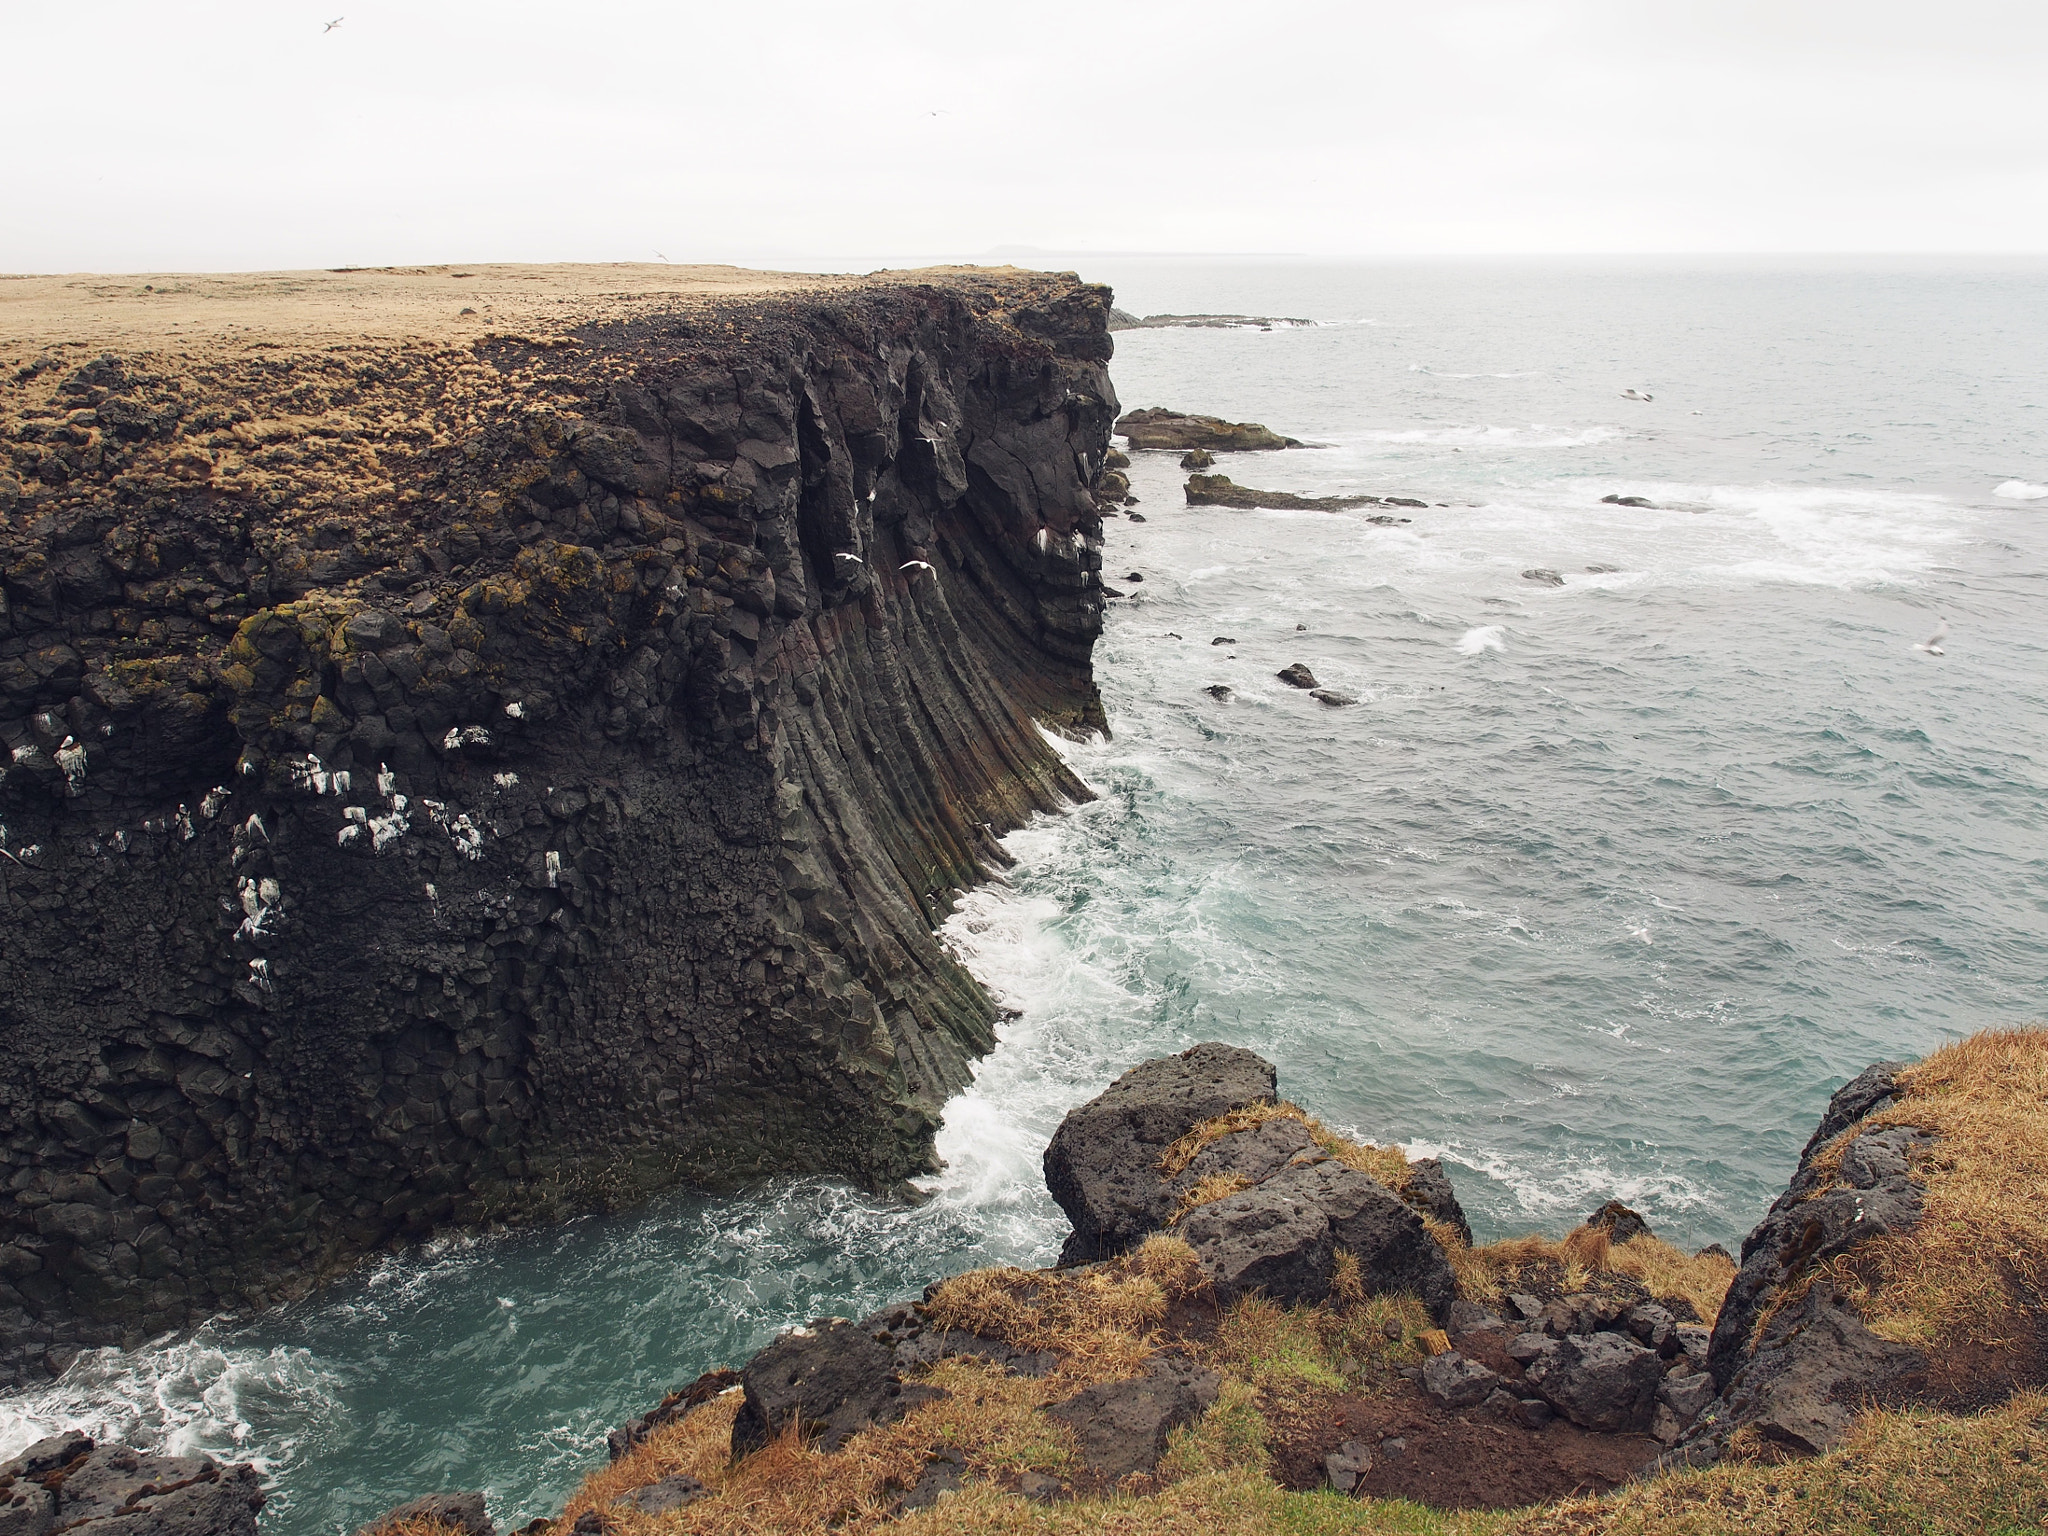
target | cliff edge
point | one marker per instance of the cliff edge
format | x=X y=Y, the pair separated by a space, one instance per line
x=486 y=742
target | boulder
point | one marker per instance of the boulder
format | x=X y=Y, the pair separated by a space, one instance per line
x=1297 y=675
x=1457 y=1382
x=833 y=1378
x=1395 y=1252
x=1198 y=458
x=1601 y=1381
x=1618 y=1222
x=1252 y=1155
x=1122 y=1426
x=1347 y=1464
x=1429 y=1191
x=1336 y=698
x=1273 y=1238
x=1157 y=427
x=1102 y=1164
x=1222 y=491
x=1653 y=1327
x=461 y=1512
x=1687 y=1395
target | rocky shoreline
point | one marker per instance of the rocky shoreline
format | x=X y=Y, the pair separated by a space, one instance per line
x=1214 y=1224
x=489 y=743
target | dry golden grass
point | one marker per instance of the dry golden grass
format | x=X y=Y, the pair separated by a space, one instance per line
x=416 y=1527
x=1915 y=1473
x=1100 y=1318
x=1975 y=1269
x=1389 y=1165
x=1489 y=1273
x=1207 y=1190
x=1175 y=1159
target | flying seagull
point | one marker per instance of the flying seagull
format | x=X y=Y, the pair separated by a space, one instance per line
x=1636 y=394
x=843 y=555
x=1932 y=644
x=333 y=24
x=920 y=564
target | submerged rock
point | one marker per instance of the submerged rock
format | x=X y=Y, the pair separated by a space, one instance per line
x=1157 y=427
x=1198 y=458
x=1543 y=576
x=1297 y=675
x=1335 y=697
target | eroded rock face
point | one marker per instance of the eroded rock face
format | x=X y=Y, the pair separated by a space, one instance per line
x=525 y=808
x=1102 y=1164
x=1800 y=1377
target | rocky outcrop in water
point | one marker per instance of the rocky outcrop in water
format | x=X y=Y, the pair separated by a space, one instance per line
x=480 y=777
x=67 y=1483
x=1157 y=427
x=1222 y=491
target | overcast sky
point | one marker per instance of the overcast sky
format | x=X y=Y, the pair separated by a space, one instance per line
x=242 y=135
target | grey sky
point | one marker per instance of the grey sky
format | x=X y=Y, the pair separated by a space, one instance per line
x=239 y=134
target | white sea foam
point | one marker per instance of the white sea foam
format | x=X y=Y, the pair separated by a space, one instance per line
x=2020 y=490
x=1534 y=435
x=1484 y=637
x=180 y=1398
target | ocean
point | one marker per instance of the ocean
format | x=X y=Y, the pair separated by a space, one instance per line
x=1596 y=892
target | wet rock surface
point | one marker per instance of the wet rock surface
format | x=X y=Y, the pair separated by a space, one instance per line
x=67 y=1483
x=525 y=808
x=1157 y=427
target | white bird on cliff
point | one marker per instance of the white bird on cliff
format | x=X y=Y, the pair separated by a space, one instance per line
x=841 y=554
x=924 y=565
x=1932 y=644
x=332 y=25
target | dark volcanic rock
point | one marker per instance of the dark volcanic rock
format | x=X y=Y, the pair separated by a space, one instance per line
x=1457 y=1382
x=1336 y=698
x=1297 y=675
x=676 y=1491
x=66 y=1483
x=1120 y=321
x=1799 y=1378
x=1599 y=1381
x=1618 y=1222
x=460 y=1512
x=1157 y=427
x=1273 y=1238
x=1123 y=1426
x=1222 y=491
x=834 y=1379
x=520 y=821
x=1198 y=458
x=1543 y=577
x=1102 y=1163
x=1429 y=1191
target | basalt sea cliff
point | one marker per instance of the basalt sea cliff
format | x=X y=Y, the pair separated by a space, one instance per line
x=484 y=743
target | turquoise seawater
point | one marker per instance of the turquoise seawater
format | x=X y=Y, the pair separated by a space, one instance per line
x=1597 y=891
